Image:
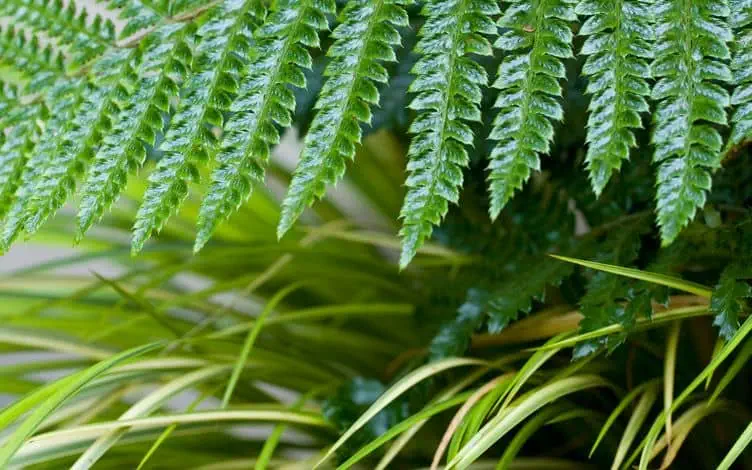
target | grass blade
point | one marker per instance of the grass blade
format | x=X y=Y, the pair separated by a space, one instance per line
x=655 y=278
x=736 y=450
x=394 y=392
x=63 y=391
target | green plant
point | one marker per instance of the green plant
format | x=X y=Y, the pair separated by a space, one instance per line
x=380 y=350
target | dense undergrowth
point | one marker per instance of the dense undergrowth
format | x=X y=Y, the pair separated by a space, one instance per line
x=598 y=320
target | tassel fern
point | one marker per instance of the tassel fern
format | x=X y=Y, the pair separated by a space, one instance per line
x=264 y=102
x=190 y=141
x=741 y=67
x=215 y=84
x=691 y=64
x=363 y=40
x=618 y=47
x=538 y=36
x=448 y=87
x=164 y=64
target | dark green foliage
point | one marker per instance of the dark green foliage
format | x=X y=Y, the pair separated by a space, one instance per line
x=690 y=66
x=538 y=36
x=729 y=298
x=448 y=86
x=611 y=299
x=264 y=102
x=365 y=38
x=618 y=45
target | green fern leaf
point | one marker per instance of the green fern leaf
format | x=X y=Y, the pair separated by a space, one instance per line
x=449 y=86
x=15 y=150
x=619 y=40
x=741 y=65
x=139 y=14
x=538 y=37
x=190 y=140
x=63 y=99
x=41 y=66
x=729 y=296
x=9 y=103
x=265 y=101
x=365 y=38
x=691 y=57
x=113 y=77
x=165 y=62
x=66 y=23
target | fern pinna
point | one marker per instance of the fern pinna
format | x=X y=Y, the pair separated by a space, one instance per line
x=212 y=85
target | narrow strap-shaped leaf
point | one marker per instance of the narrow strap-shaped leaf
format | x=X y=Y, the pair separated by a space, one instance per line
x=207 y=95
x=691 y=60
x=65 y=22
x=41 y=65
x=741 y=67
x=365 y=38
x=618 y=45
x=164 y=64
x=538 y=36
x=449 y=86
x=265 y=102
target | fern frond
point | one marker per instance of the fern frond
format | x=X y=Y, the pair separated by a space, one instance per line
x=62 y=100
x=538 y=37
x=113 y=78
x=265 y=101
x=15 y=150
x=366 y=37
x=207 y=95
x=741 y=66
x=164 y=64
x=40 y=65
x=618 y=45
x=9 y=102
x=64 y=22
x=691 y=59
x=139 y=14
x=449 y=86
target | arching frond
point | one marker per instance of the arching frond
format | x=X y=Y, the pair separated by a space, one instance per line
x=63 y=99
x=690 y=63
x=207 y=95
x=363 y=40
x=15 y=150
x=165 y=62
x=112 y=79
x=619 y=43
x=40 y=65
x=741 y=66
x=449 y=87
x=9 y=102
x=265 y=101
x=65 y=22
x=538 y=36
